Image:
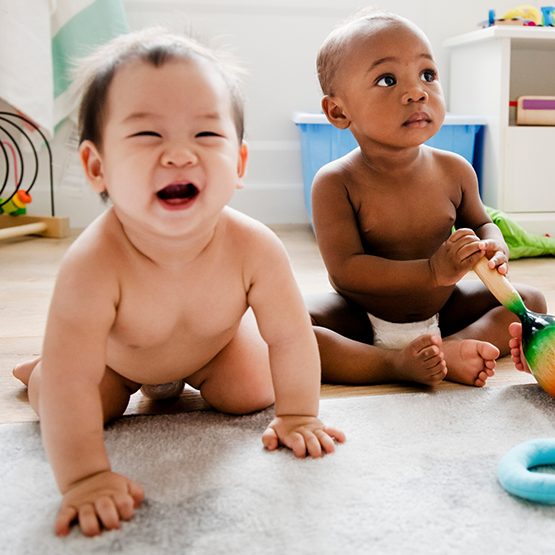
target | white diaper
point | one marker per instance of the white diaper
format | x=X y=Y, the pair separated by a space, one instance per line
x=391 y=335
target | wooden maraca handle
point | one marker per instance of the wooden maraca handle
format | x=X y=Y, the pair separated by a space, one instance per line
x=499 y=285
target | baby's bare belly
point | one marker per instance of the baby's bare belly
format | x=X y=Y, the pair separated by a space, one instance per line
x=176 y=358
x=404 y=308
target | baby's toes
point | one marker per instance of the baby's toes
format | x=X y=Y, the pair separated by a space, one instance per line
x=487 y=351
x=481 y=379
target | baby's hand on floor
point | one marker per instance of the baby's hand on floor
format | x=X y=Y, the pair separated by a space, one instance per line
x=302 y=434
x=517 y=354
x=101 y=500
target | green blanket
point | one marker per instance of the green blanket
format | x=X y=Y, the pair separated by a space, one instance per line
x=521 y=243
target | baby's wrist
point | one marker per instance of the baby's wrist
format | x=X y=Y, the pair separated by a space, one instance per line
x=68 y=486
x=296 y=415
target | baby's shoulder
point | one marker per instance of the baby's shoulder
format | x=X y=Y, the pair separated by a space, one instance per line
x=341 y=169
x=448 y=161
x=89 y=272
x=247 y=234
x=98 y=247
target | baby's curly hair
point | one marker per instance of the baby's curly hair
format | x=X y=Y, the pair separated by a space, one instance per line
x=156 y=46
x=331 y=54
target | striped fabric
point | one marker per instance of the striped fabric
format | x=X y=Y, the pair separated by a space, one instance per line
x=78 y=26
x=39 y=41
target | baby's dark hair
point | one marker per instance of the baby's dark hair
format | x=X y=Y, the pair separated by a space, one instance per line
x=154 y=46
x=331 y=54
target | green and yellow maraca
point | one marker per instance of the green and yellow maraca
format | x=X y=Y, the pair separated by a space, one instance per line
x=538 y=330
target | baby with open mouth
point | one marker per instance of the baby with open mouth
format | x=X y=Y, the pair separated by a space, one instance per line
x=178 y=194
x=205 y=297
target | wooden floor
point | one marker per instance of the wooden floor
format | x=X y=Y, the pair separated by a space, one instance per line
x=28 y=269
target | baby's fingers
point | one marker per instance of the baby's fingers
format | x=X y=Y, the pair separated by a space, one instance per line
x=64 y=519
x=270 y=439
x=335 y=433
x=296 y=442
x=314 y=444
x=89 y=521
x=86 y=516
x=137 y=494
x=108 y=513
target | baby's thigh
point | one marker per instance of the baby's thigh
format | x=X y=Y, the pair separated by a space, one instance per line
x=470 y=300
x=115 y=391
x=343 y=316
x=238 y=379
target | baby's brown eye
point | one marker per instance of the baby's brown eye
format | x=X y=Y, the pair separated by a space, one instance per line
x=428 y=76
x=386 y=81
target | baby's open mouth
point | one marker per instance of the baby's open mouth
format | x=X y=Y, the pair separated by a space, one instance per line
x=178 y=194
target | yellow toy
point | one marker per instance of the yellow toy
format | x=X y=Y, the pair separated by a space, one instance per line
x=525 y=12
x=17 y=204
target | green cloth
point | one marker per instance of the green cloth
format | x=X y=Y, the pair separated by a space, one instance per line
x=95 y=24
x=521 y=243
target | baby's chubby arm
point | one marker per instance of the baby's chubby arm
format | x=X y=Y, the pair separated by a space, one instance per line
x=70 y=407
x=472 y=214
x=284 y=324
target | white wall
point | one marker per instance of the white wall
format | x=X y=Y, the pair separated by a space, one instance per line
x=277 y=41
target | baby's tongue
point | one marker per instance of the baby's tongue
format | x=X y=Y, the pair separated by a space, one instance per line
x=178 y=194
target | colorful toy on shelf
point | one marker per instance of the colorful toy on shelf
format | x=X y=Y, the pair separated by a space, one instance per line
x=548 y=13
x=538 y=330
x=526 y=13
x=16 y=205
x=522 y=15
x=535 y=110
x=13 y=204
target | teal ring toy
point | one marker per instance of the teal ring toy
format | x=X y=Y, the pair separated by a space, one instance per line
x=516 y=478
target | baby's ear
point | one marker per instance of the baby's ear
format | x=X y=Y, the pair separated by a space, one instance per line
x=92 y=166
x=334 y=112
x=242 y=165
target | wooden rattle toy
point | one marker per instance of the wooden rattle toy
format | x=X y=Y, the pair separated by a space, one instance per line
x=538 y=330
x=14 y=221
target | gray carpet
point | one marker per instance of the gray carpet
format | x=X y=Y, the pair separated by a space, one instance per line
x=418 y=475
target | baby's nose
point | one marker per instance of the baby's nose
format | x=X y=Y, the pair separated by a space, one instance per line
x=179 y=155
x=415 y=95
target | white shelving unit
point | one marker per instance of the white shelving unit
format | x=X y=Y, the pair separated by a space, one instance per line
x=489 y=68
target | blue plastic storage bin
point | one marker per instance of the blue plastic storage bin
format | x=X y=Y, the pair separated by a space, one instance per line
x=321 y=143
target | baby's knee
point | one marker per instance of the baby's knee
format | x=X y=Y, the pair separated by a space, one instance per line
x=250 y=399
x=339 y=314
x=533 y=299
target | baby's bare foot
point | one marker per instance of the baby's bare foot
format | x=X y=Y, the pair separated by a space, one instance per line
x=421 y=361
x=469 y=361
x=24 y=370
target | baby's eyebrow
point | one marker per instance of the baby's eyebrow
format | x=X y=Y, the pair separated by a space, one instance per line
x=381 y=61
x=138 y=116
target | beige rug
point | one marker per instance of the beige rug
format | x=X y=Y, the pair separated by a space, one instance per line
x=418 y=475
